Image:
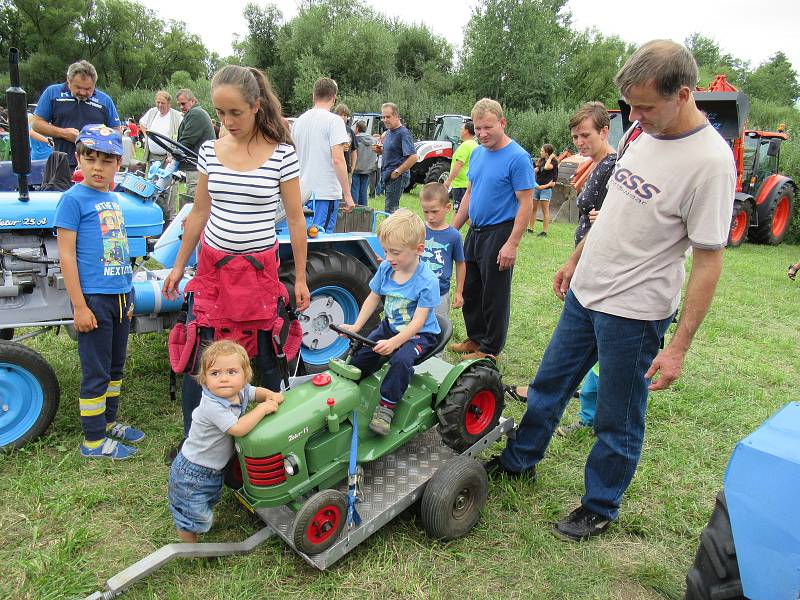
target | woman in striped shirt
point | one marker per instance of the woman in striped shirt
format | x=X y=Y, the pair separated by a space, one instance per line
x=242 y=178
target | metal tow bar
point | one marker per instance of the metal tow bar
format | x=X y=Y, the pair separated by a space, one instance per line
x=137 y=571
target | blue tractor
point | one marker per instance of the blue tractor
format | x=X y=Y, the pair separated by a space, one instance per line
x=751 y=545
x=33 y=293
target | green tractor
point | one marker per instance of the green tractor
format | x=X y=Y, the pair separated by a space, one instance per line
x=301 y=466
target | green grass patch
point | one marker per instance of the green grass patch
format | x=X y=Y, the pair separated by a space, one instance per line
x=68 y=524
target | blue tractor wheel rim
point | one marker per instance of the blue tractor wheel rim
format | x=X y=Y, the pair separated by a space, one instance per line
x=329 y=304
x=21 y=402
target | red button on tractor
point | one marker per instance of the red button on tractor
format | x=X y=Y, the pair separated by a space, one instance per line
x=321 y=379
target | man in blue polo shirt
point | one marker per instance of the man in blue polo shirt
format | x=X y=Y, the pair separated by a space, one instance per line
x=399 y=156
x=64 y=108
x=498 y=203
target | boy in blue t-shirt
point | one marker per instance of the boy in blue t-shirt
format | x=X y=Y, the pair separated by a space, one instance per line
x=443 y=246
x=95 y=261
x=409 y=327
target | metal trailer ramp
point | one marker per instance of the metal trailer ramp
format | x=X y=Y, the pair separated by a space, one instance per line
x=390 y=485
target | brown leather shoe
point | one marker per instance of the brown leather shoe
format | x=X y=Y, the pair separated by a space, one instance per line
x=467 y=345
x=478 y=354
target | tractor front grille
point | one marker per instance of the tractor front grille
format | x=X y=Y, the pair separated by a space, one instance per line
x=266 y=471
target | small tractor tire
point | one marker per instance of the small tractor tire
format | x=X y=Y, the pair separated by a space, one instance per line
x=438 y=173
x=740 y=224
x=319 y=522
x=775 y=226
x=471 y=408
x=29 y=394
x=7 y=334
x=339 y=284
x=715 y=573
x=453 y=499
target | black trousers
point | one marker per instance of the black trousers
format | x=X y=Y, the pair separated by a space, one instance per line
x=487 y=289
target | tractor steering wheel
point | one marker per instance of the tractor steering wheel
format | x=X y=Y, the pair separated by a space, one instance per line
x=178 y=150
x=355 y=338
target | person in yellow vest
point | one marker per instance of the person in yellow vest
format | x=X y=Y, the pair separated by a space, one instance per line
x=459 y=167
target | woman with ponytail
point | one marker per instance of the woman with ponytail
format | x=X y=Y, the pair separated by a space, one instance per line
x=244 y=176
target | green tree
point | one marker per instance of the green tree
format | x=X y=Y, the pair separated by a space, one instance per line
x=358 y=54
x=418 y=49
x=712 y=62
x=590 y=67
x=259 y=48
x=775 y=81
x=514 y=50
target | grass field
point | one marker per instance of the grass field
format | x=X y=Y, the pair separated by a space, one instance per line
x=68 y=524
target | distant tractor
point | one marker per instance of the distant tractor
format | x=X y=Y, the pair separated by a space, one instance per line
x=434 y=155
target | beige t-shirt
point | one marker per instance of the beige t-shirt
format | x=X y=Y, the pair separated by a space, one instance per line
x=665 y=195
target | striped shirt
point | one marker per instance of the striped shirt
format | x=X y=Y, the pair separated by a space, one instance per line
x=244 y=203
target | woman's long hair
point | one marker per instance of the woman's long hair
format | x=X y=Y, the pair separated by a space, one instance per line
x=253 y=86
x=548 y=148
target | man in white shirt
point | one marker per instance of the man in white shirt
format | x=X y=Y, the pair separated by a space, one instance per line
x=319 y=137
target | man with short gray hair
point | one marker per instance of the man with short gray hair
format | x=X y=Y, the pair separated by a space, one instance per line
x=195 y=129
x=399 y=156
x=64 y=108
x=671 y=191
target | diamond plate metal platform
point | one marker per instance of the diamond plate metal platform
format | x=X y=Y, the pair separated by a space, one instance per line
x=390 y=485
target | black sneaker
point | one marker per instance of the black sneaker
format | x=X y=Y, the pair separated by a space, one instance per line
x=169 y=457
x=580 y=524
x=494 y=467
x=542 y=234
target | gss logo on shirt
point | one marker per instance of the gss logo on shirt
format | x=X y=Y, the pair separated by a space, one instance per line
x=636 y=184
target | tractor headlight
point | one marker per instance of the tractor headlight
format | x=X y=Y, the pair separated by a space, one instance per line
x=291 y=465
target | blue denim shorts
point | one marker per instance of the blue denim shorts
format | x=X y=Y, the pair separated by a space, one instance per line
x=543 y=195
x=193 y=491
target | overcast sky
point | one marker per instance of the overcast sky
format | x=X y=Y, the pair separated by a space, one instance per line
x=746 y=29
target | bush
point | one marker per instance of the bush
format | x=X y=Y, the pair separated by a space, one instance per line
x=135 y=103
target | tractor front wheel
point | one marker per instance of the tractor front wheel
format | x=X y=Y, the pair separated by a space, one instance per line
x=438 y=173
x=471 y=408
x=29 y=394
x=740 y=224
x=715 y=573
x=319 y=522
x=774 y=227
x=233 y=473
x=339 y=284
x=453 y=499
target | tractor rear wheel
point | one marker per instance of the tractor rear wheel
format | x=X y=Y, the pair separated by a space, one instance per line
x=471 y=408
x=339 y=284
x=438 y=173
x=740 y=224
x=453 y=498
x=773 y=229
x=29 y=394
x=319 y=522
x=715 y=573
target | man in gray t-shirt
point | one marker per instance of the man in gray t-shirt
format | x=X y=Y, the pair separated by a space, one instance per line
x=319 y=138
x=671 y=191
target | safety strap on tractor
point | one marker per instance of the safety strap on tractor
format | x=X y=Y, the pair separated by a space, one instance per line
x=353 y=518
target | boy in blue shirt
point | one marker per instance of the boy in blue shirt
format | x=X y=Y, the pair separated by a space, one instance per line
x=443 y=246
x=409 y=326
x=95 y=261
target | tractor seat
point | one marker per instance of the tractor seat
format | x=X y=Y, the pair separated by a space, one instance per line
x=444 y=336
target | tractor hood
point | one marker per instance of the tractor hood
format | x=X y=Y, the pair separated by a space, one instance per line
x=433 y=149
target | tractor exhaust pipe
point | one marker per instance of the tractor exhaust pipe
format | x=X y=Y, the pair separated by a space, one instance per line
x=16 y=101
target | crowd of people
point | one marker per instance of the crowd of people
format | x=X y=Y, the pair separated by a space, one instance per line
x=620 y=287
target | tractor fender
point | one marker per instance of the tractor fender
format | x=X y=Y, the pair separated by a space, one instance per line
x=765 y=194
x=455 y=373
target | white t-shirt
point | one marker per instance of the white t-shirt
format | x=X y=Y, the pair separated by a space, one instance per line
x=244 y=203
x=160 y=125
x=315 y=132
x=665 y=195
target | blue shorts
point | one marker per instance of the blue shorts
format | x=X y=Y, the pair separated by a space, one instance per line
x=193 y=491
x=543 y=195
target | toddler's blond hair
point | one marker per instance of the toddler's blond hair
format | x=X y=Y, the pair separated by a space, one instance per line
x=402 y=228
x=219 y=349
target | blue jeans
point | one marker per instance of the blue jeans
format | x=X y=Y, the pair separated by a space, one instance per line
x=626 y=348
x=359 y=188
x=325 y=214
x=394 y=189
x=193 y=490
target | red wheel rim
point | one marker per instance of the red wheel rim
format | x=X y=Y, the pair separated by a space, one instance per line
x=324 y=524
x=780 y=217
x=480 y=411
x=739 y=226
